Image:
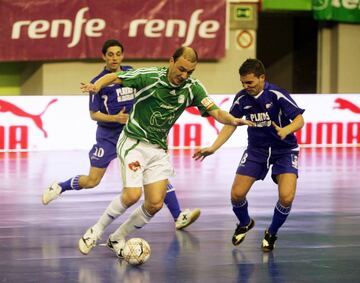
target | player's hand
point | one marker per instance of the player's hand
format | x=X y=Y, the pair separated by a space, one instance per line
x=202 y=153
x=88 y=88
x=281 y=132
x=242 y=122
x=122 y=117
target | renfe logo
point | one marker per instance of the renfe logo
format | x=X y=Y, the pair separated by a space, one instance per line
x=158 y=27
x=18 y=135
x=39 y=29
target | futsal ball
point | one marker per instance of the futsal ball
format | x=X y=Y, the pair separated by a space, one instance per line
x=136 y=251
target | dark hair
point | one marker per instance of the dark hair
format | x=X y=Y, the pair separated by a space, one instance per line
x=252 y=66
x=188 y=53
x=109 y=43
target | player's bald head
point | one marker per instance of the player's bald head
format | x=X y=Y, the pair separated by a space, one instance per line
x=187 y=53
x=182 y=65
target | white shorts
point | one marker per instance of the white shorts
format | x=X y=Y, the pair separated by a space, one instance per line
x=142 y=163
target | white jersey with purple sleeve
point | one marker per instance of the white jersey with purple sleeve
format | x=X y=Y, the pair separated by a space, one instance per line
x=272 y=105
x=111 y=99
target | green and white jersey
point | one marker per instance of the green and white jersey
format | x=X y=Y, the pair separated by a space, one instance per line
x=158 y=103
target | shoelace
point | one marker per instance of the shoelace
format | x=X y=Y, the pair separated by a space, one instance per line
x=88 y=244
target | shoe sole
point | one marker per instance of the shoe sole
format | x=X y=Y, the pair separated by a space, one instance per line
x=82 y=242
x=43 y=201
x=238 y=242
x=196 y=214
x=266 y=250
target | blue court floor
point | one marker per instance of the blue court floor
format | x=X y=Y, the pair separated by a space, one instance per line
x=320 y=242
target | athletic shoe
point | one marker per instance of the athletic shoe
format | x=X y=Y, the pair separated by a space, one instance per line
x=89 y=240
x=116 y=246
x=186 y=217
x=268 y=243
x=51 y=193
x=240 y=232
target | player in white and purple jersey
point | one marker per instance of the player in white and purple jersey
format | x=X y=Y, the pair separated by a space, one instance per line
x=270 y=142
x=110 y=108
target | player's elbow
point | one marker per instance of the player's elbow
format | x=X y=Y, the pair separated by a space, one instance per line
x=93 y=115
x=113 y=78
x=300 y=121
x=218 y=115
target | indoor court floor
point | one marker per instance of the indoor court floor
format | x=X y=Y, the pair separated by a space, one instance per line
x=320 y=242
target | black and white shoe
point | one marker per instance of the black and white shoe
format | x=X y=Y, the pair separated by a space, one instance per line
x=116 y=246
x=240 y=232
x=268 y=243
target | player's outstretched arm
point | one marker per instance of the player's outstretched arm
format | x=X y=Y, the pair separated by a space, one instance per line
x=108 y=79
x=226 y=118
x=225 y=133
x=295 y=125
x=120 y=117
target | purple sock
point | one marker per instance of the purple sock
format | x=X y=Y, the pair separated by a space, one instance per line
x=171 y=202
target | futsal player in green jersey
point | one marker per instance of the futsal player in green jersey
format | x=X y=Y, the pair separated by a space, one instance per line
x=162 y=96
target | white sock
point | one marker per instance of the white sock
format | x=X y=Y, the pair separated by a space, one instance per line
x=138 y=219
x=113 y=211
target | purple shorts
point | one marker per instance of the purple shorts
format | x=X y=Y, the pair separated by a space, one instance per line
x=256 y=162
x=104 y=151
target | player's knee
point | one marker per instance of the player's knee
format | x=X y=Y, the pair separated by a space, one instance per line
x=89 y=182
x=237 y=196
x=92 y=182
x=286 y=201
x=153 y=207
x=130 y=197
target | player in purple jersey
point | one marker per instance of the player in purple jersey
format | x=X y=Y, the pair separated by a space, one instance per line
x=270 y=142
x=110 y=108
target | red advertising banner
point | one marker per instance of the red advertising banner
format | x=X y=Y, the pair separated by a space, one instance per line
x=31 y=123
x=151 y=29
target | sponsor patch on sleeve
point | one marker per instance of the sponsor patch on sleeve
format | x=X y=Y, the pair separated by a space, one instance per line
x=207 y=102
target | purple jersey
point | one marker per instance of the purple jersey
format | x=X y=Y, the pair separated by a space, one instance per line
x=111 y=99
x=273 y=105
